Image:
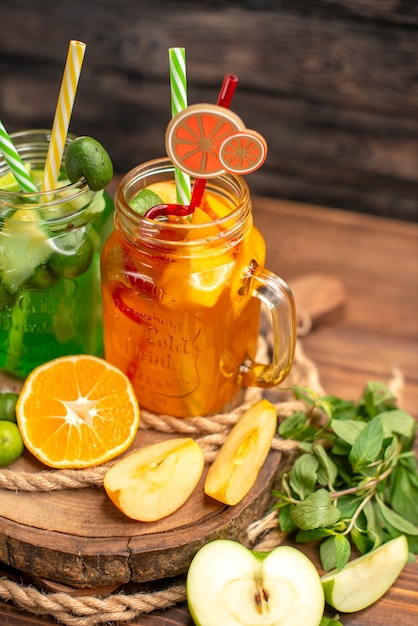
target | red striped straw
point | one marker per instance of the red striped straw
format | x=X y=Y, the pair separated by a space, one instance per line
x=226 y=94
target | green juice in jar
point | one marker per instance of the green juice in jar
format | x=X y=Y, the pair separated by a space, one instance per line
x=50 y=243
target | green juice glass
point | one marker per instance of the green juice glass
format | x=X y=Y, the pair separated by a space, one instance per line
x=50 y=244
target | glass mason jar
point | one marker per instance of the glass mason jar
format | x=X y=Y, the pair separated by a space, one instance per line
x=181 y=301
x=50 y=243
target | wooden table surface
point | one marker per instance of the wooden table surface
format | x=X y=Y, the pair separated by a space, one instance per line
x=375 y=338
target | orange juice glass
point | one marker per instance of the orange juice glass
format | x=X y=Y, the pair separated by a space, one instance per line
x=181 y=299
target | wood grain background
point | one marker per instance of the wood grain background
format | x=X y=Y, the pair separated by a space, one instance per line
x=332 y=85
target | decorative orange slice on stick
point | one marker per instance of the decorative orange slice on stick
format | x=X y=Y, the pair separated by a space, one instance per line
x=77 y=411
x=243 y=152
x=194 y=136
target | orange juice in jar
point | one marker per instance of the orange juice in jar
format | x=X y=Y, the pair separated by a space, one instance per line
x=181 y=297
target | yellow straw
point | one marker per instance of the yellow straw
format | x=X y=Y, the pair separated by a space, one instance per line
x=63 y=112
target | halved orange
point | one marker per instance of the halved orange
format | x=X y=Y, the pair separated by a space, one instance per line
x=77 y=411
x=194 y=135
x=243 y=152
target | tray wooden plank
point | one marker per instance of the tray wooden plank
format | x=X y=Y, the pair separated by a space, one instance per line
x=78 y=537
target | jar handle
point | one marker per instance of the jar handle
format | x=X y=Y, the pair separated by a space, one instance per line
x=276 y=295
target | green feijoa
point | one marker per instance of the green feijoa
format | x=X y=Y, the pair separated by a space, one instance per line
x=11 y=443
x=6 y=298
x=8 y=400
x=87 y=157
x=42 y=279
x=72 y=262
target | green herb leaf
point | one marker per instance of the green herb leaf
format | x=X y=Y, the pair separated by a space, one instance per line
x=316 y=511
x=305 y=393
x=348 y=505
x=297 y=427
x=404 y=489
x=285 y=519
x=377 y=397
x=374 y=535
x=327 y=471
x=328 y=621
x=335 y=552
x=348 y=430
x=303 y=475
x=304 y=536
x=398 y=422
x=397 y=521
x=367 y=445
x=342 y=551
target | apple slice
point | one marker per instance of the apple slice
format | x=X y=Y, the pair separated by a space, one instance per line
x=156 y=480
x=365 y=579
x=229 y=585
x=239 y=460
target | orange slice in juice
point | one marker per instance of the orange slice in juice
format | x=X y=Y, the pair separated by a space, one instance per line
x=198 y=281
x=194 y=136
x=210 y=210
x=166 y=190
x=243 y=152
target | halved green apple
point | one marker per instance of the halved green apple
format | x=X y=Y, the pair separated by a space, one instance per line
x=156 y=480
x=229 y=585
x=365 y=579
x=242 y=454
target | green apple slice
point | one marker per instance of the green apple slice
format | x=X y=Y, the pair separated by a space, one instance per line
x=229 y=585
x=365 y=579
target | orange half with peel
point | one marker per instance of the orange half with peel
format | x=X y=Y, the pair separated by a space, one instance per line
x=194 y=136
x=77 y=411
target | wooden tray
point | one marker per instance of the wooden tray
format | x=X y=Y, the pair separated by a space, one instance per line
x=80 y=538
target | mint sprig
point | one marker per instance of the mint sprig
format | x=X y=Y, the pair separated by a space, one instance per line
x=355 y=480
x=329 y=621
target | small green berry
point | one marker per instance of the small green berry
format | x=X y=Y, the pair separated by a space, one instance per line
x=11 y=443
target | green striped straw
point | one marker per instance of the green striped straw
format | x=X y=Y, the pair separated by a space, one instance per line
x=178 y=86
x=13 y=160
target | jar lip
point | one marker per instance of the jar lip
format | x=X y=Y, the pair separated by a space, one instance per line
x=31 y=132
x=228 y=224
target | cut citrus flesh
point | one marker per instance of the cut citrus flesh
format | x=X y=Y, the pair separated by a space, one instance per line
x=77 y=411
x=166 y=190
x=194 y=136
x=8 y=181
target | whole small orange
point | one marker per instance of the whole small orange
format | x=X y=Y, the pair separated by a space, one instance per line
x=77 y=411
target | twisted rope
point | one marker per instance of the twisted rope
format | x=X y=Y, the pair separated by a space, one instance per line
x=89 y=610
